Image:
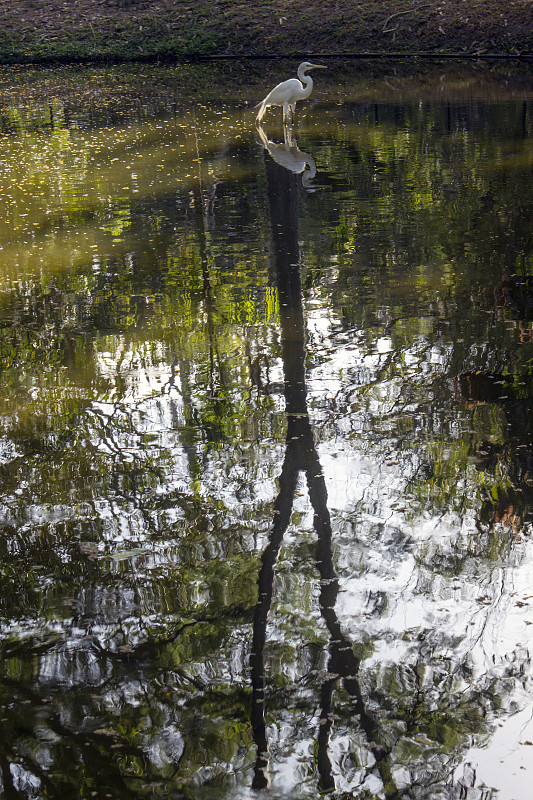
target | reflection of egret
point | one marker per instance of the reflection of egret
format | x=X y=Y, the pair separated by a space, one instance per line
x=287 y=93
x=287 y=154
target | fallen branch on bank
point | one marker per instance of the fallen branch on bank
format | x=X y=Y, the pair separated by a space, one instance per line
x=398 y=14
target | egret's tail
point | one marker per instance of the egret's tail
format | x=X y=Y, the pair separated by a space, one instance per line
x=262 y=110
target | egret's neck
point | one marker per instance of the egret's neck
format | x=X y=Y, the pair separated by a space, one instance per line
x=307 y=83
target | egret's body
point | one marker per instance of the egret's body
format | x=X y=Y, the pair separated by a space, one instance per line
x=287 y=93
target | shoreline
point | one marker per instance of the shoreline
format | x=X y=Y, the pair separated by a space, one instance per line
x=42 y=32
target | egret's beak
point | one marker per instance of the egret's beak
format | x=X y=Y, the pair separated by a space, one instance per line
x=318 y=66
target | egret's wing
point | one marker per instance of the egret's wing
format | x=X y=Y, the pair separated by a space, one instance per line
x=284 y=92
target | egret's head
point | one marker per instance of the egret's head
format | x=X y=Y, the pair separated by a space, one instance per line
x=307 y=65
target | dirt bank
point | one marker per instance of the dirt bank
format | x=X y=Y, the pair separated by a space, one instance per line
x=121 y=30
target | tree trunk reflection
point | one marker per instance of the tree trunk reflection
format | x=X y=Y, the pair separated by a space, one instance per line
x=301 y=455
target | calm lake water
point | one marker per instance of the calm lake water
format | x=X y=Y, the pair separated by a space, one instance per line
x=266 y=446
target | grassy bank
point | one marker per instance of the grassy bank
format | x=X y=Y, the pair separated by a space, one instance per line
x=37 y=31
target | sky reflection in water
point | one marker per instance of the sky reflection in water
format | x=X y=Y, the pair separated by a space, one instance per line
x=266 y=435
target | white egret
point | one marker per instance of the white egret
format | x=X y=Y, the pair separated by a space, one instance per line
x=288 y=92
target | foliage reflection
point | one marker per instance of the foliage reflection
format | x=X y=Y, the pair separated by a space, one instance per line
x=265 y=444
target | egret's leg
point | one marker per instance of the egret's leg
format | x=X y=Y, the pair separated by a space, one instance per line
x=293 y=111
x=290 y=141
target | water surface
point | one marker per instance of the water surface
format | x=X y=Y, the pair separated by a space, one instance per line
x=265 y=446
